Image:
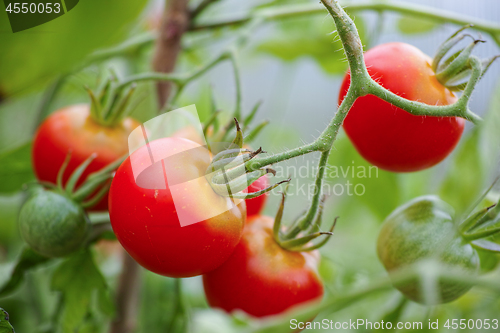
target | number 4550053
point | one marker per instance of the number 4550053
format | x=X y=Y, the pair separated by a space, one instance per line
x=471 y=324
x=33 y=8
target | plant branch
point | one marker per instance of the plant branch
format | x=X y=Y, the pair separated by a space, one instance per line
x=174 y=24
x=127 y=297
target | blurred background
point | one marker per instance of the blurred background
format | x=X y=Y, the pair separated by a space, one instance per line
x=295 y=68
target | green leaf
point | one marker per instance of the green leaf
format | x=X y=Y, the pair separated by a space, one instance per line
x=28 y=260
x=16 y=168
x=464 y=180
x=410 y=25
x=38 y=54
x=78 y=278
x=5 y=326
x=309 y=38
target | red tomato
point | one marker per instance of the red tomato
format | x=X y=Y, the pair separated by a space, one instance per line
x=147 y=221
x=72 y=129
x=390 y=137
x=256 y=205
x=260 y=277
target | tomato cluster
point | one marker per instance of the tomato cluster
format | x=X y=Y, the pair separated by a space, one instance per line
x=165 y=213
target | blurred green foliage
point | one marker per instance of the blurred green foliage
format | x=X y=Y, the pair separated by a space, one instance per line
x=38 y=54
x=309 y=37
x=410 y=25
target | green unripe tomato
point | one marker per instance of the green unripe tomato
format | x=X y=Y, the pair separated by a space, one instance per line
x=52 y=224
x=423 y=229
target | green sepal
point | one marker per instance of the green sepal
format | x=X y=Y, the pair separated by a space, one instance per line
x=238 y=140
x=447 y=45
x=256 y=131
x=248 y=119
x=77 y=174
x=486 y=245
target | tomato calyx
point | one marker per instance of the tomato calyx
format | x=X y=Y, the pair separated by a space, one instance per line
x=228 y=175
x=110 y=103
x=302 y=241
x=455 y=71
x=482 y=224
x=213 y=133
x=85 y=194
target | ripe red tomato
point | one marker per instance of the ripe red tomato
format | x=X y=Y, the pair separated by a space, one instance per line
x=72 y=129
x=260 y=277
x=147 y=221
x=256 y=205
x=390 y=137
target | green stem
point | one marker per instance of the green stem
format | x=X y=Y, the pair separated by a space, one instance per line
x=303 y=222
x=180 y=80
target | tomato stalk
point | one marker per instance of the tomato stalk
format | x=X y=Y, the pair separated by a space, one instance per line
x=84 y=194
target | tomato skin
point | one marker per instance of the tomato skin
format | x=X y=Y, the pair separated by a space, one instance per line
x=72 y=129
x=260 y=277
x=424 y=229
x=146 y=222
x=256 y=205
x=390 y=137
